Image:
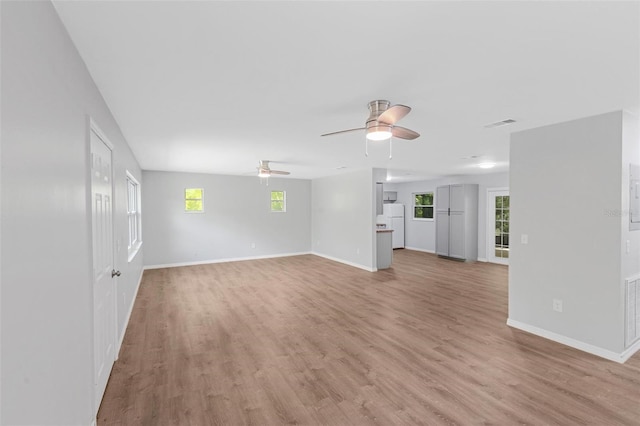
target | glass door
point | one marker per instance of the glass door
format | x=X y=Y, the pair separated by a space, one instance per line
x=498 y=226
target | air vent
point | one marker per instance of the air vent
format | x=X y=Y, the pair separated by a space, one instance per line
x=500 y=123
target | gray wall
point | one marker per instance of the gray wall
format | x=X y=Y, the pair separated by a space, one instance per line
x=421 y=234
x=46 y=304
x=343 y=218
x=237 y=214
x=565 y=181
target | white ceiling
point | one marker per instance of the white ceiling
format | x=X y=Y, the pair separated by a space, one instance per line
x=214 y=87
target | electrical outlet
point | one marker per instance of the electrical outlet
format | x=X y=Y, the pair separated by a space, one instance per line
x=253 y=245
x=557 y=305
x=357 y=251
x=628 y=246
x=524 y=239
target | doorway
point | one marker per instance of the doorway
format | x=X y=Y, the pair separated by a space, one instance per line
x=498 y=215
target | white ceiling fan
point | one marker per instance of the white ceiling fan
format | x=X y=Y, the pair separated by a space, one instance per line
x=381 y=124
x=264 y=171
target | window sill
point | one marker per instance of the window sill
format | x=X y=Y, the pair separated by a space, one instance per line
x=419 y=219
x=133 y=251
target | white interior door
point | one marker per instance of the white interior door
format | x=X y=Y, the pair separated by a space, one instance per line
x=498 y=235
x=104 y=314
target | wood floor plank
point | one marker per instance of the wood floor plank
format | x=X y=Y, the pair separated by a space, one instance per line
x=304 y=340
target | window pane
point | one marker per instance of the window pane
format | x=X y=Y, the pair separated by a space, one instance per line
x=429 y=198
x=193 y=193
x=505 y=202
x=505 y=215
x=277 y=195
x=423 y=199
x=423 y=212
x=277 y=206
x=193 y=205
x=499 y=202
x=498 y=214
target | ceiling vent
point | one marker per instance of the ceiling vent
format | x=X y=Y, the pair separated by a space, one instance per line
x=500 y=123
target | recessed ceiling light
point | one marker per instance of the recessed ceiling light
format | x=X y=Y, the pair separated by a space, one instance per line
x=487 y=165
x=500 y=123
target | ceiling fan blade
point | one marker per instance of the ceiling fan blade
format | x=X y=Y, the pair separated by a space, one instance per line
x=403 y=133
x=344 y=131
x=279 y=172
x=394 y=114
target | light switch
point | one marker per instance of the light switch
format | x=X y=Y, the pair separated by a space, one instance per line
x=524 y=239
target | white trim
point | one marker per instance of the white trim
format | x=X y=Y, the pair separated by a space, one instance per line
x=413 y=206
x=630 y=351
x=230 y=259
x=126 y=322
x=284 y=201
x=94 y=422
x=93 y=126
x=577 y=344
x=184 y=199
x=134 y=251
x=489 y=230
x=346 y=262
x=420 y=249
x=482 y=259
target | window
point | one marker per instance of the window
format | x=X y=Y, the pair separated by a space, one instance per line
x=194 y=200
x=134 y=217
x=423 y=205
x=278 y=201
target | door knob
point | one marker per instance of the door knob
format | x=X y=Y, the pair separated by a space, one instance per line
x=115 y=273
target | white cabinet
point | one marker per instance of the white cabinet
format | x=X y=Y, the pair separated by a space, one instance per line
x=390 y=196
x=457 y=221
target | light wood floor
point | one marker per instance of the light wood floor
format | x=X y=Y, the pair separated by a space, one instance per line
x=303 y=340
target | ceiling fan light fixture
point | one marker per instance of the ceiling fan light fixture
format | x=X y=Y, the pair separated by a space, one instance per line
x=264 y=173
x=378 y=133
x=487 y=165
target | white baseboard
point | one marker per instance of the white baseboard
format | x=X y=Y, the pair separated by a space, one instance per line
x=420 y=249
x=585 y=347
x=482 y=259
x=126 y=322
x=230 y=259
x=346 y=262
x=629 y=352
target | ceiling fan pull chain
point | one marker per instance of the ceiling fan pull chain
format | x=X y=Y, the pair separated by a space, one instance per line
x=366 y=147
x=390 y=145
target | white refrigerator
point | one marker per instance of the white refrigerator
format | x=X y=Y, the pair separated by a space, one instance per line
x=394 y=215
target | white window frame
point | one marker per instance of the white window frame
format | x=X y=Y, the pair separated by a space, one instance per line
x=284 y=201
x=185 y=199
x=433 y=206
x=134 y=217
